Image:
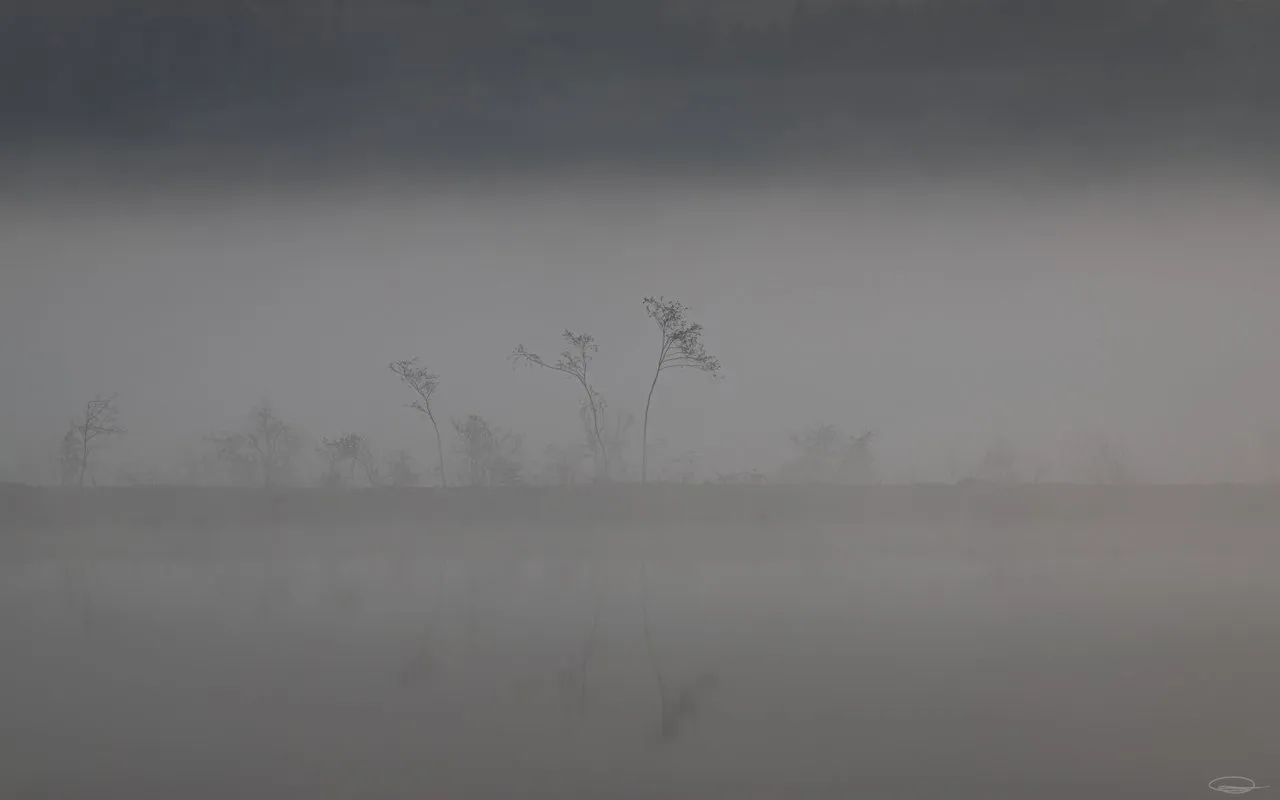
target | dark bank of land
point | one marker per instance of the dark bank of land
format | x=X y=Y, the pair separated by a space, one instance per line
x=919 y=118
x=691 y=518
x=497 y=85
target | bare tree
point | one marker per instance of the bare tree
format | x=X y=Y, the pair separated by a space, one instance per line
x=332 y=451
x=683 y=468
x=829 y=455
x=1000 y=463
x=369 y=465
x=424 y=384
x=614 y=435
x=475 y=444
x=1102 y=459
x=353 y=450
x=268 y=446
x=401 y=470
x=139 y=473
x=752 y=477
x=492 y=453
x=81 y=440
x=199 y=466
x=574 y=361
x=274 y=444
x=682 y=348
x=857 y=461
x=69 y=456
x=560 y=464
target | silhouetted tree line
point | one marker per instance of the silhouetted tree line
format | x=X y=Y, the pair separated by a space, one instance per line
x=114 y=61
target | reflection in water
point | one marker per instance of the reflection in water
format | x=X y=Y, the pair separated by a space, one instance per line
x=467 y=672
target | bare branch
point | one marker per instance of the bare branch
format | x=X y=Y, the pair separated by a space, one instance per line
x=351 y=449
x=99 y=420
x=492 y=453
x=681 y=339
x=264 y=450
x=100 y=417
x=574 y=361
x=419 y=379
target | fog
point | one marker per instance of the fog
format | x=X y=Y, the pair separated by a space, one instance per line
x=946 y=312
x=950 y=473
x=966 y=658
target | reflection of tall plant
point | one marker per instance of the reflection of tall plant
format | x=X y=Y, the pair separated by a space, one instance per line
x=588 y=649
x=675 y=705
x=655 y=665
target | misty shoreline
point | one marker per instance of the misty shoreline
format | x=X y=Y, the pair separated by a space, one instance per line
x=782 y=517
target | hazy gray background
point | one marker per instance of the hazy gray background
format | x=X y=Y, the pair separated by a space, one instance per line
x=1040 y=224
x=945 y=310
